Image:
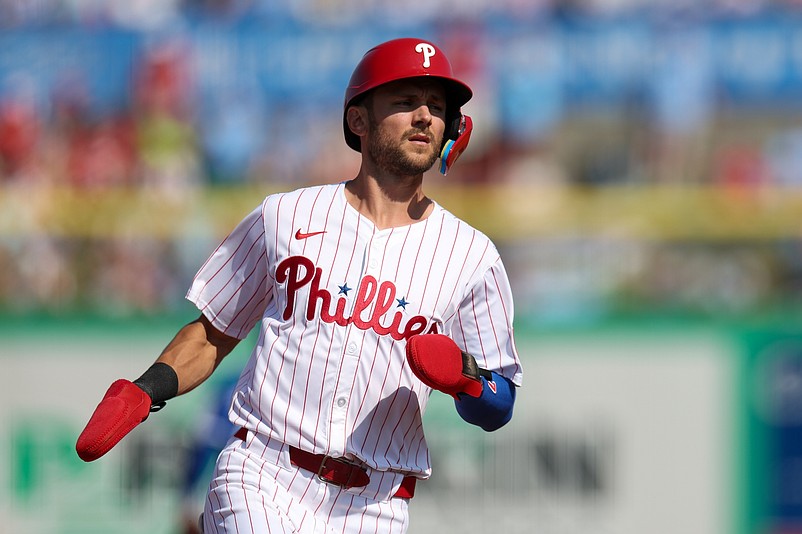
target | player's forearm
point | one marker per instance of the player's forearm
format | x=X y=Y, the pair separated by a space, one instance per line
x=195 y=352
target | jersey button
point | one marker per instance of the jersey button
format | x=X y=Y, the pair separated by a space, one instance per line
x=351 y=348
x=341 y=402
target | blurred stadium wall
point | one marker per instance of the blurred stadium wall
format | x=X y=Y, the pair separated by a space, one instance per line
x=638 y=164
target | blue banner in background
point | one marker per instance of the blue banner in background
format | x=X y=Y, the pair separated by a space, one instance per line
x=540 y=70
x=44 y=61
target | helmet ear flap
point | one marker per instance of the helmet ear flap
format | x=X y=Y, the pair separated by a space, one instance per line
x=455 y=142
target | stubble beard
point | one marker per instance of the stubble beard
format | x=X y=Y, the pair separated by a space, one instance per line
x=388 y=155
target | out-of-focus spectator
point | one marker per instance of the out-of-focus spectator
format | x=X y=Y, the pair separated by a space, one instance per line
x=102 y=155
x=740 y=166
x=163 y=82
x=19 y=135
x=163 y=108
x=130 y=276
x=170 y=160
x=46 y=275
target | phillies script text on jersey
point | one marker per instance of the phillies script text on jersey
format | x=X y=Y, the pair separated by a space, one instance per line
x=298 y=271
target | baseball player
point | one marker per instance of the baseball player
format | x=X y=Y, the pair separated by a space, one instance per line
x=367 y=295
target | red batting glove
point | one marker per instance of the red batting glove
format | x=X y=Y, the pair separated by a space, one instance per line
x=440 y=364
x=123 y=407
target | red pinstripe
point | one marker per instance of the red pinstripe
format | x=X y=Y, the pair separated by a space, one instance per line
x=461 y=271
x=219 y=505
x=260 y=397
x=372 y=366
x=429 y=270
x=347 y=272
x=507 y=321
x=492 y=324
x=245 y=498
x=284 y=352
x=228 y=494
x=476 y=322
x=447 y=265
x=241 y=333
x=387 y=414
x=230 y=257
x=351 y=390
x=336 y=386
x=264 y=503
x=233 y=274
x=397 y=424
x=277 y=225
x=317 y=333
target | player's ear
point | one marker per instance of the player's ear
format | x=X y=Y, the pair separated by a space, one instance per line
x=357 y=119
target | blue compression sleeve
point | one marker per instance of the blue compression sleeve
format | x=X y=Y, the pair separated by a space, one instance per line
x=493 y=408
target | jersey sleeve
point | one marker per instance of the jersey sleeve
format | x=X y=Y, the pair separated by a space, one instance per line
x=231 y=287
x=484 y=324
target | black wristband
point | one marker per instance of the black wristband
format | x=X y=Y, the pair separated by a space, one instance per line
x=160 y=382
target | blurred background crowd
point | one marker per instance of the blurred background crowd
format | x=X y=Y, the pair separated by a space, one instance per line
x=180 y=97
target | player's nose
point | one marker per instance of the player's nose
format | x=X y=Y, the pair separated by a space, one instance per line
x=422 y=115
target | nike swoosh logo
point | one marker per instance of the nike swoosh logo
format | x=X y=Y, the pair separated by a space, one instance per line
x=301 y=235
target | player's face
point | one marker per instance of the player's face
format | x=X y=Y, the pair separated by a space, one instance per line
x=407 y=122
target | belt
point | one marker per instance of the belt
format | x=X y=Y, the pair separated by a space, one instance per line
x=338 y=471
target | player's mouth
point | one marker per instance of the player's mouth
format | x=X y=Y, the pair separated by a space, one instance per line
x=419 y=139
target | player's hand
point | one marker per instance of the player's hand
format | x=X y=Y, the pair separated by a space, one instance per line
x=123 y=407
x=440 y=364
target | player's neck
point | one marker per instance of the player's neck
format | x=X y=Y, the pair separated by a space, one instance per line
x=389 y=203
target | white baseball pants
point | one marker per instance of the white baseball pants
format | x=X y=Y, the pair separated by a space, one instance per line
x=256 y=490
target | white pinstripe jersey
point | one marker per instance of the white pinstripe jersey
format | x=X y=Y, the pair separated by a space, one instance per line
x=336 y=299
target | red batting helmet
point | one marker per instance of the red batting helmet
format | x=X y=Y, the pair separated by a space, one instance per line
x=411 y=58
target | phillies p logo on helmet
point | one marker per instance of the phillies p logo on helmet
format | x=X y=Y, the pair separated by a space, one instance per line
x=428 y=51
